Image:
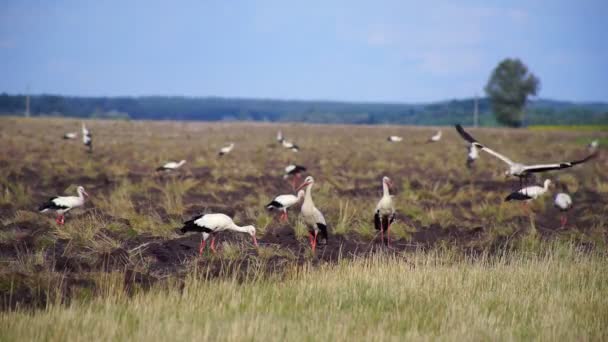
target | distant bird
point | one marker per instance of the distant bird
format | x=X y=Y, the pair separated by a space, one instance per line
x=87 y=139
x=280 y=136
x=394 y=138
x=312 y=217
x=593 y=145
x=436 y=137
x=171 y=166
x=563 y=202
x=384 y=215
x=472 y=155
x=211 y=224
x=63 y=204
x=529 y=193
x=290 y=145
x=70 y=135
x=226 y=149
x=284 y=202
x=517 y=169
x=294 y=172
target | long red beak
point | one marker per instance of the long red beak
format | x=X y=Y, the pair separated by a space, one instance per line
x=255 y=241
x=85 y=193
x=302 y=186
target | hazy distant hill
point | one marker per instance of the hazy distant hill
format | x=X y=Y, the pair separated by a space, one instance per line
x=215 y=109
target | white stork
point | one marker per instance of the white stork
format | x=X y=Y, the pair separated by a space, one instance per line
x=171 y=166
x=529 y=193
x=384 y=215
x=394 y=138
x=593 y=145
x=284 y=202
x=436 y=137
x=294 y=172
x=563 y=202
x=290 y=145
x=63 y=204
x=280 y=136
x=226 y=149
x=70 y=135
x=211 y=224
x=312 y=217
x=87 y=139
x=472 y=155
x=518 y=169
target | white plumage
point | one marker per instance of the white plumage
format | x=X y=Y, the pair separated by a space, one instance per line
x=211 y=224
x=87 y=139
x=436 y=137
x=280 y=136
x=290 y=145
x=171 y=166
x=394 y=138
x=312 y=217
x=63 y=204
x=226 y=149
x=472 y=155
x=70 y=135
x=384 y=214
x=563 y=202
x=284 y=202
x=529 y=193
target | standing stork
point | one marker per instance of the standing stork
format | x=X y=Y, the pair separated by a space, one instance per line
x=518 y=169
x=312 y=217
x=529 y=193
x=63 y=204
x=280 y=136
x=211 y=224
x=87 y=139
x=171 y=166
x=294 y=172
x=384 y=215
x=563 y=202
x=593 y=145
x=436 y=137
x=70 y=136
x=290 y=145
x=226 y=149
x=284 y=202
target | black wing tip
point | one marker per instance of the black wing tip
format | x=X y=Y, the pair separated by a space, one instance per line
x=274 y=205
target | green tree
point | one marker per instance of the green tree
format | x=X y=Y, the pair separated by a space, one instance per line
x=508 y=89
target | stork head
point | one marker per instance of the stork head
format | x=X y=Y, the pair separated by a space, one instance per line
x=309 y=181
x=182 y=162
x=547 y=183
x=251 y=231
x=81 y=191
x=387 y=181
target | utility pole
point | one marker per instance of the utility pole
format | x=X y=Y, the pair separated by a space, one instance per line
x=27 y=101
x=476 y=113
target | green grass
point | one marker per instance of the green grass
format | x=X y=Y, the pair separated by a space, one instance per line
x=589 y=128
x=559 y=294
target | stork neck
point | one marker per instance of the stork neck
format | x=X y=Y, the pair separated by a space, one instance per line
x=238 y=228
x=385 y=190
x=308 y=195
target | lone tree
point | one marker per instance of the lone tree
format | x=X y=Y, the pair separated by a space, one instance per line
x=508 y=89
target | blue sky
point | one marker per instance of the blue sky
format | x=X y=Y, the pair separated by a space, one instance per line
x=397 y=51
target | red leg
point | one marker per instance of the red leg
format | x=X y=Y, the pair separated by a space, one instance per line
x=564 y=220
x=213 y=243
x=58 y=219
x=314 y=242
x=388 y=238
x=61 y=219
x=201 y=248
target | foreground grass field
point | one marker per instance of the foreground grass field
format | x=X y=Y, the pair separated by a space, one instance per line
x=559 y=294
x=463 y=263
